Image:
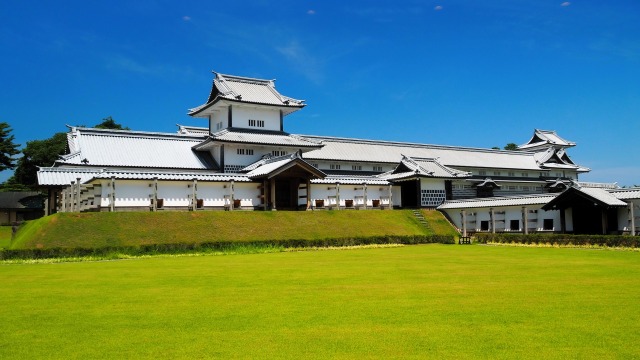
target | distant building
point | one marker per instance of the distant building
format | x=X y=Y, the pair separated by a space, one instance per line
x=17 y=206
x=244 y=159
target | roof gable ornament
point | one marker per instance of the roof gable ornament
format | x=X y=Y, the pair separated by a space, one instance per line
x=543 y=139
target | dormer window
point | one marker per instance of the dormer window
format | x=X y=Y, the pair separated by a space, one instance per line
x=278 y=153
x=256 y=123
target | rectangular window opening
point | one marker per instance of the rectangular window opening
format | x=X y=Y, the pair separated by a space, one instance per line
x=514 y=225
x=484 y=225
x=256 y=123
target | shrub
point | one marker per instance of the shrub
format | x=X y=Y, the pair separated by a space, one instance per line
x=561 y=239
x=224 y=246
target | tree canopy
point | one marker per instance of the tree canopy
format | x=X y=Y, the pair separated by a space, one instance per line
x=511 y=146
x=109 y=123
x=40 y=153
x=8 y=149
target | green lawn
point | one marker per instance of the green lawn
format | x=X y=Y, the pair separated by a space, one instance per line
x=427 y=301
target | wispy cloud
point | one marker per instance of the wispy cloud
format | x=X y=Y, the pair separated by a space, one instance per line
x=305 y=62
x=614 y=46
x=119 y=62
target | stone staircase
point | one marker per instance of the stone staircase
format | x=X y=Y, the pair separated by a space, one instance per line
x=418 y=215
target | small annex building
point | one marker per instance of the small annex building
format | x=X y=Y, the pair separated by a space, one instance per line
x=18 y=206
x=241 y=158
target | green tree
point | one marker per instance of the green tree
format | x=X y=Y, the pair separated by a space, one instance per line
x=42 y=153
x=109 y=123
x=11 y=184
x=38 y=153
x=8 y=149
x=511 y=146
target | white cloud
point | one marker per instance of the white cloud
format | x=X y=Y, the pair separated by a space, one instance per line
x=119 y=62
x=186 y=18
x=301 y=60
x=437 y=8
x=311 y=12
x=566 y=3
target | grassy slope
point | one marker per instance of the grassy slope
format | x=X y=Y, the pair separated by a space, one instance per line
x=134 y=228
x=430 y=301
x=5 y=237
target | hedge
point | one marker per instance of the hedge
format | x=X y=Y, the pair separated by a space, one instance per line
x=219 y=246
x=560 y=239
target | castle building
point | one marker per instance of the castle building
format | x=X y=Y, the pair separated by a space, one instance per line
x=245 y=160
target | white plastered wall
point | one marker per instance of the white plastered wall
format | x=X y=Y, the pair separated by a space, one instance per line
x=624 y=216
x=503 y=222
x=241 y=116
x=177 y=194
x=374 y=192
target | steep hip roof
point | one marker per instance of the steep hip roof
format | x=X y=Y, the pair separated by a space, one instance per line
x=545 y=138
x=419 y=167
x=239 y=89
x=597 y=196
x=271 y=167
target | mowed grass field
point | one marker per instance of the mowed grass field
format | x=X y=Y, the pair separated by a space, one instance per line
x=424 y=301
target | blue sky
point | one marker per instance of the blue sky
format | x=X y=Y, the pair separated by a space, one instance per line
x=451 y=72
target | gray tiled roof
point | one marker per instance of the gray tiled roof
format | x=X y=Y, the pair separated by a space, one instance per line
x=267 y=166
x=626 y=194
x=262 y=137
x=247 y=90
x=341 y=149
x=543 y=138
x=522 y=200
x=200 y=176
x=425 y=168
x=56 y=176
x=21 y=200
x=602 y=195
x=124 y=148
x=351 y=180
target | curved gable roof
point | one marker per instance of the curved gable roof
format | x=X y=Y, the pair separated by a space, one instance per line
x=247 y=90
